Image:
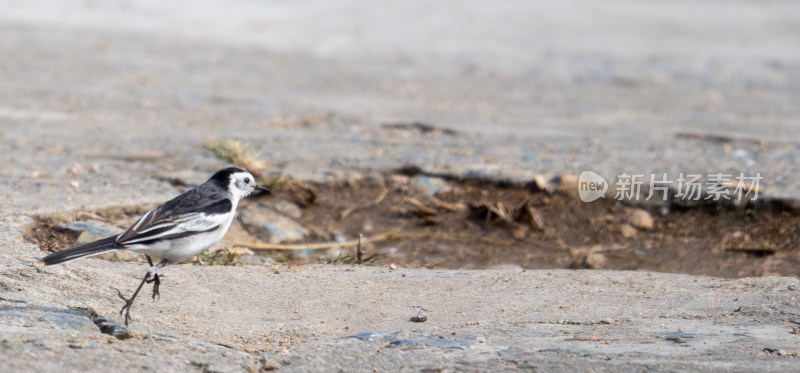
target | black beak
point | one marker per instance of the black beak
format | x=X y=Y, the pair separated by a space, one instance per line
x=262 y=188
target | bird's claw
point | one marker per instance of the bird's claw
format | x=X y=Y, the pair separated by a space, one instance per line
x=127 y=307
x=156 y=283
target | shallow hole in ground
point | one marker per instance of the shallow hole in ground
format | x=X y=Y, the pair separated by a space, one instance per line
x=477 y=224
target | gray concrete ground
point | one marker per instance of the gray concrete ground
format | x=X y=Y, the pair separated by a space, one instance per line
x=125 y=93
x=326 y=318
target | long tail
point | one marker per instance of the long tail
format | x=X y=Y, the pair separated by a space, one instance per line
x=88 y=249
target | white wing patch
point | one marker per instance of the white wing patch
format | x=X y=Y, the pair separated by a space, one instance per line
x=193 y=222
x=155 y=227
x=143 y=219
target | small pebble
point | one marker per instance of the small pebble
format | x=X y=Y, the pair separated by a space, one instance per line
x=76 y=170
x=392 y=266
x=420 y=317
x=627 y=231
x=540 y=181
x=568 y=185
x=640 y=219
x=596 y=260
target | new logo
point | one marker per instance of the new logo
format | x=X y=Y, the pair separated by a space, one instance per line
x=591 y=186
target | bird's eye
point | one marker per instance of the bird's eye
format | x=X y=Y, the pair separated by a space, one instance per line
x=247 y=180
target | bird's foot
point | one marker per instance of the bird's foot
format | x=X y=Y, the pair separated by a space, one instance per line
x=127 y=307
x=156 y=283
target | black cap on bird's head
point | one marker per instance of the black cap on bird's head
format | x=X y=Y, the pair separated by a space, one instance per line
x=236 y=179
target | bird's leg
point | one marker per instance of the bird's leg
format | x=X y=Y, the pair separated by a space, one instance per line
x=155 y=280
x=129 y=301
x=152 y=271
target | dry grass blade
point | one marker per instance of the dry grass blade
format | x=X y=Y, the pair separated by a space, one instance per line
x=453 y=207
x=81 y=215
x=393 y=235
x=324 y=245
x=500 y=210
x=519 y=231
x=532 y=216
x=381 y=196
x=236 y=152
x=421 y=208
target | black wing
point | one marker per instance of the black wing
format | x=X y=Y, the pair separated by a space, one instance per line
x=195 y=211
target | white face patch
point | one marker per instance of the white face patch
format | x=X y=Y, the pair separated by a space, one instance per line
x=239 y=188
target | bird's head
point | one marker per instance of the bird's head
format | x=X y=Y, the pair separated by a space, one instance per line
x=238 y=182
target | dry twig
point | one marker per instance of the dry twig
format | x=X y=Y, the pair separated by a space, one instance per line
x=381 y=196
x=423 y=210
x=392 y=235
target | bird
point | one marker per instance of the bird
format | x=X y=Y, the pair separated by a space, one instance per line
x=176 y=230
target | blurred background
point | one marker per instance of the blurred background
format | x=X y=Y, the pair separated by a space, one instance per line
x=528 y=87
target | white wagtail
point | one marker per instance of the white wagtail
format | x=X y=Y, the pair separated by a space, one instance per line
x=175 y=231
